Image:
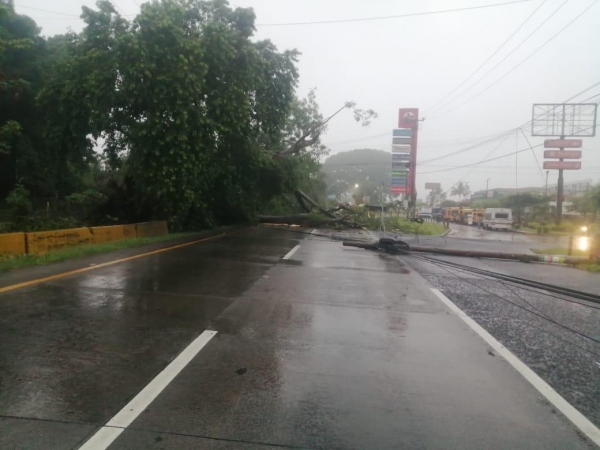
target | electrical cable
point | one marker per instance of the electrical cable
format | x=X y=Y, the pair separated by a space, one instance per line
x=582 y=295
x=482 y=161
x=519 y=64
x=398 y=16
x=487 y=60
x=500 y=136
x=47 y=11
x=583 y=335
x=534 y=155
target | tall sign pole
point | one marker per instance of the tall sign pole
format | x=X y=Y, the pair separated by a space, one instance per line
x=408 y=118
x=560 y=191
x=564 y=120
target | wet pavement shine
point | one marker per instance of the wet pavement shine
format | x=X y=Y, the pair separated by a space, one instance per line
x=334 y=348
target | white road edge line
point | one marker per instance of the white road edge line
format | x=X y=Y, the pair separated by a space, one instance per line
x=291 y=252
x=313 y=231
x=115 y=426
x=578 y=419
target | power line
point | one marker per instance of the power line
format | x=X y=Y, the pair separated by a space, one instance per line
x=509 y=54
x=534 y=155
x=489 y=58
x=500 y=136
x=482 y=161
x=48 y=11
x=521 y=63
x=365 y=19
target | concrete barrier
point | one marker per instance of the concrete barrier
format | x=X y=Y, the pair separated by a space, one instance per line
x=101 y=235
x=45 y=241
x=12 y=244
x=150 y=229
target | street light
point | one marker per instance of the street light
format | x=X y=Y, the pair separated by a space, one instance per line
x=356 y=186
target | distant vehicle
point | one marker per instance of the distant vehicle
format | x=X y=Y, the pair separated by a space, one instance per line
x=463 y=215
x=497 y=219
x=451 y=213
x=478 y=216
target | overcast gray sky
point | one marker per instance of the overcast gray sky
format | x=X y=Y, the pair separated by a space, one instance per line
x=415 y=61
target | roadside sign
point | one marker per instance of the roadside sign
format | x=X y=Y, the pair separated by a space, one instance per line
x=433 y=185
x=400 y=148
x=565 y=165
x=564 y=154
x=399 y=165
x=398 y=132
x=408 y=117
x=563 y=143
x=400 y=157
x=398 y=189
x=401 y=141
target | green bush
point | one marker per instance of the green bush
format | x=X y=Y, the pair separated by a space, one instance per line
x=533 y=225
x=18 y=202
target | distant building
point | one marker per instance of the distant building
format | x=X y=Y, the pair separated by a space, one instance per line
x=572 y=188
x=505 y=192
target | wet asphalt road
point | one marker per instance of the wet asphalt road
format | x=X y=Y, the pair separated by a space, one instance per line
x=333 y=348
x=473 y=238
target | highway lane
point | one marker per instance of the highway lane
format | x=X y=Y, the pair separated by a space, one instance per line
x=331 y=348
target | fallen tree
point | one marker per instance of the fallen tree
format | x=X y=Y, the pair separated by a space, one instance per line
x=329 y=217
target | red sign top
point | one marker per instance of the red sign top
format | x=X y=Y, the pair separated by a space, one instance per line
x=408 y=117
x=563 y=143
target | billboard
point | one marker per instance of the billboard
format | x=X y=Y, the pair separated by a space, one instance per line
x=564 y=154
x=433 y=186
x=563 y=143
x=564 y=119
x=565 y=165
x=400 y=148
x=400 y=157
x=401 y=141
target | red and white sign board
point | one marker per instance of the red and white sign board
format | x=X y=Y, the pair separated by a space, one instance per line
x=564 y=154
x=563 y=143
x=565 y=165
x=408 y=117
x=398 y=189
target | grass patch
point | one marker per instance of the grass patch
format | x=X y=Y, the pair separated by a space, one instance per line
x=12 y=262
x=593 y=267
x=559 y=251
x=408 y=227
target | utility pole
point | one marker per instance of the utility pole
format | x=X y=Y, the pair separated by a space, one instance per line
x=486 y=188
x=546 y=191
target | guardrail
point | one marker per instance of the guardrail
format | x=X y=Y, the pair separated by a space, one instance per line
x=38 y=242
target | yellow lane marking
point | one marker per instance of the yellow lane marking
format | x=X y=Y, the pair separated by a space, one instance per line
x=12 y=287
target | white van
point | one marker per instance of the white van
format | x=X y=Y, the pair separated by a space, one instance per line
x=497 y=219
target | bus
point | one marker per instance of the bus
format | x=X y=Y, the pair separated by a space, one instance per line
x=450 y=213
x=478 y=214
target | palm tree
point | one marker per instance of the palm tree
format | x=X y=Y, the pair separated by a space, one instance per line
x=436 y=196
x=461 y=189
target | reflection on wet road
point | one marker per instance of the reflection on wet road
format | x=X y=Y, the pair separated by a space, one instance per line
x=331 y=348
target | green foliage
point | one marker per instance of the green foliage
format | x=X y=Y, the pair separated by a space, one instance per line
x=365 y=167
x=436 y=196
x=461 y=189
x=18 y=200
x=187 y=107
